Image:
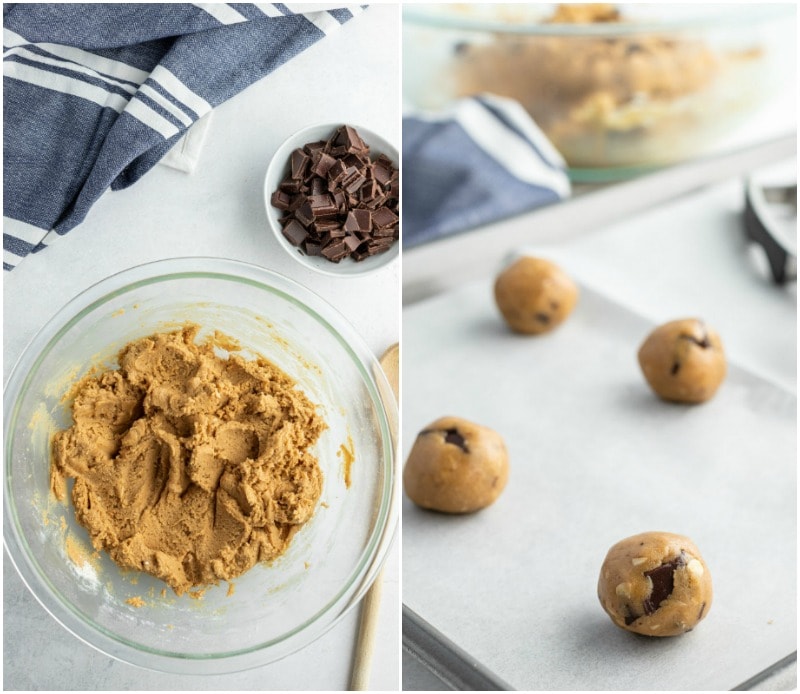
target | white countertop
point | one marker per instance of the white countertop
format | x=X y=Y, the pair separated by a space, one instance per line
x=218 y=210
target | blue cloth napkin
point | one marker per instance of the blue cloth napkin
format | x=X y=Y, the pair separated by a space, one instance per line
x=482 y=160
x=95 y=94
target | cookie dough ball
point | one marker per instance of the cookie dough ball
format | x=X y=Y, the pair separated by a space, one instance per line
x=655 y=584
x=534 y=295
x=456 y=466
x=683 y=361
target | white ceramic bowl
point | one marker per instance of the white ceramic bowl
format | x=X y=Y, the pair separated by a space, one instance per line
x=274 y=609
x=278 y=170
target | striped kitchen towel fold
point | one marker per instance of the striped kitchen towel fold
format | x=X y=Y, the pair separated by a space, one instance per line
x=482 y=160
x=94 y=95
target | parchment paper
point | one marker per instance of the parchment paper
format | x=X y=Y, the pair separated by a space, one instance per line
x=596 y=457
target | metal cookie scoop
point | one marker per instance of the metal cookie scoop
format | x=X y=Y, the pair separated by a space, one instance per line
x=770 y=219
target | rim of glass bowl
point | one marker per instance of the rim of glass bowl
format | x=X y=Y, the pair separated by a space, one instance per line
x=372 y=557
x=715 y=17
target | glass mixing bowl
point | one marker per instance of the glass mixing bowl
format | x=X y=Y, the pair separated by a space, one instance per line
x=618 y=89
x=272 y=610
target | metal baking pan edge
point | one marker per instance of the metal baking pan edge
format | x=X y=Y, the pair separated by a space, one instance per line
x=458 y=671
x=484 y=247
x=445 y=660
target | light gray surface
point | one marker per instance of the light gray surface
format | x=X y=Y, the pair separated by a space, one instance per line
x=71 y=665
x=219 y=210
x=595 y=457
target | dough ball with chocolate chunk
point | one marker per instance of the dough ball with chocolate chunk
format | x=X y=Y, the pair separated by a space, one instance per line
x=655 y=584
x=456 y=466
x=534 y=295
x=683 y=361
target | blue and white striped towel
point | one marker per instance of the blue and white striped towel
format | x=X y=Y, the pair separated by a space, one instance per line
x=94 y=95
x=482 y=160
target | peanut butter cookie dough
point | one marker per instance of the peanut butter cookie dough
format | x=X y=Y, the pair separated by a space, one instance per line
x=456 y=466
x=189 y=466
x=603 y=100
x=655 y=584
x=534 y=295
x=683 y=361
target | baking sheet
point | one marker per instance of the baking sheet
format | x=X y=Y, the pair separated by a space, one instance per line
x=595 y=457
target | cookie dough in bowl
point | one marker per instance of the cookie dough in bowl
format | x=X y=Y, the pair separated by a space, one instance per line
x=186 y=465
x=683 y=361
x=656 y=584
x=247 y=618
x=617 y=89
x=456 y=466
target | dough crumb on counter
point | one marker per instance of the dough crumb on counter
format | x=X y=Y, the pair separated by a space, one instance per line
x=189 y=466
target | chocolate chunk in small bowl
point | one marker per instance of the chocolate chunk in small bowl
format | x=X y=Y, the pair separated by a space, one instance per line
x=332 y=196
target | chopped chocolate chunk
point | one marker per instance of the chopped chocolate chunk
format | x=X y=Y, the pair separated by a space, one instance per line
x=341 y=201
x=351 y=161
x=299 y=161
x=352 y=242
x=348 y=138
x=663 y=579
x=312 y=147
x=295 y=232
x=290 y=186
x=353 y=180
x=324 y=224
x=297 y=202
x=376 y=246
x=376 y=202
x=336 y=232
x=630 y=618
x=358 y=221
x=453 y=436
x=336 y=172
x=322 y=205
x=305 y=214
x=335 y=250
x=382 y=174
x=369 y=190
x=323 y=163
x=312 y=247
x=317 y=186
x=351 y=223
x=702 y=342
x=388 y=233
x=383 y=217
x=281 y=200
